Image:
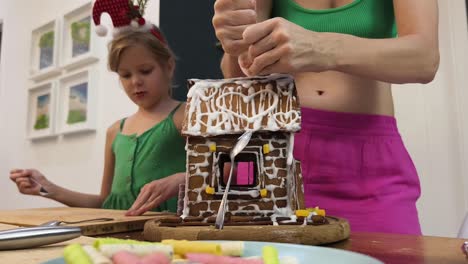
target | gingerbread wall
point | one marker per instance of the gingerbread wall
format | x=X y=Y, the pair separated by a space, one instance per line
x=284 y=190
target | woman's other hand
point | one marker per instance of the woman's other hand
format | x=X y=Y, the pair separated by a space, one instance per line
x=277 y=45
x=156 y=192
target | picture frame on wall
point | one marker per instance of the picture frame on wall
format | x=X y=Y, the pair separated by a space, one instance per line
x=77 y=102
x=78 y=38
x=44 y=51
x=41 y=110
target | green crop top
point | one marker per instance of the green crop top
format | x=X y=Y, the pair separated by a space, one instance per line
x=362 y=18
x=157 y=153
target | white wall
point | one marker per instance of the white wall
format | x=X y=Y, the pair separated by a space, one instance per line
x=431 y=122
x=74 y=161
x=433 y=119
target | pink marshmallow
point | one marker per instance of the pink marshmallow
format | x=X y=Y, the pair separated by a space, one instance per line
x=155 y=258
x=212 y=259
x=124 y=257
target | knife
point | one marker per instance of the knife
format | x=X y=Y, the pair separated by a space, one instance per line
x=29 y=237
x=42 y=191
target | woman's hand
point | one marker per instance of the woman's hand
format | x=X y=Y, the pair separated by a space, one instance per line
x=230 y=19
x=279 y=46
x=156 y=192
x=29 y=181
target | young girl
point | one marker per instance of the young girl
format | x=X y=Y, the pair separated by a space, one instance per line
x=144 y=153
x=344 y=55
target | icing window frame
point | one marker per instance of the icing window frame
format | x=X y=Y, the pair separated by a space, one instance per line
x=246 y=157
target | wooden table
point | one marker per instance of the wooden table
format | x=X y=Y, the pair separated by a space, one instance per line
x=394 y=248
x=119 y=223
x=389 y=248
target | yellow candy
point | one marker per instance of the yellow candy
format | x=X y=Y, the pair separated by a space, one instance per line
x=303 y=213
x=317 y=210
x=182 y=247
x=74 y=253
x=266 y=148
x=320 y=212
x=209 y=190
x=263 y=193
x=270 y=255
x=213 y=147
x=110 y=240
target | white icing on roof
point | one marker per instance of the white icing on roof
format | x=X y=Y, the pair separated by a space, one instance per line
x=231 y=106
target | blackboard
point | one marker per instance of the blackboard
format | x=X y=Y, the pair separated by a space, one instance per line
x=189 y=32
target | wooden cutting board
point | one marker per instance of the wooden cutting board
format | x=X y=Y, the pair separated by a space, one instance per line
x=39 y=254
x=38 y=216
x=337 y=230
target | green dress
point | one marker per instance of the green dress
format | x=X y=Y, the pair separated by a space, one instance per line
x=157 y=153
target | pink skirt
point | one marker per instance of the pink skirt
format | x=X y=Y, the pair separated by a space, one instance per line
x=355 y=166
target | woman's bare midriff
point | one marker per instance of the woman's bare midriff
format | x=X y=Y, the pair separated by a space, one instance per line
x=340 y=92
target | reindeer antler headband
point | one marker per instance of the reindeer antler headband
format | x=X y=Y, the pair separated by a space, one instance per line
x=124 y=15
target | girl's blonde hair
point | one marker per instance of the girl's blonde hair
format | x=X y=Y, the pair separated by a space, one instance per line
x=161 y=52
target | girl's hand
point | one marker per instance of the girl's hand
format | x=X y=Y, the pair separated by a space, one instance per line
x=156 y=192
x=280 y=46
x=29 y=181
x=230 y=19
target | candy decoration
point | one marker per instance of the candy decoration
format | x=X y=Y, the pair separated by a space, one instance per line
x=182 y=247
x=187 y=253
x=140 y=250
x=213 y=147
x=235 y=248
x=124 y=257
x=317 y=211
x=177 y=257
x=105 y=241
x=211 y=259
x=321 y=212
x=96 y=256
x=209 y=190
x=270 y=255
x=158 y=258
x=266 y=148
x=303 y=213
x=263 y=193
x=75 y=253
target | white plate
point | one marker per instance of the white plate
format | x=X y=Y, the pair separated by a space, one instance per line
x=305 y=254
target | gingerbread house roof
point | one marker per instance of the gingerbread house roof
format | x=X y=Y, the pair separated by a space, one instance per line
x=233 y=106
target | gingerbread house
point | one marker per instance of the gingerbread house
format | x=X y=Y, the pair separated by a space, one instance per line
x=267 y=181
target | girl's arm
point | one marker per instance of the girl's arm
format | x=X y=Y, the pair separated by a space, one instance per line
x=77 y=199
x=411 y=57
